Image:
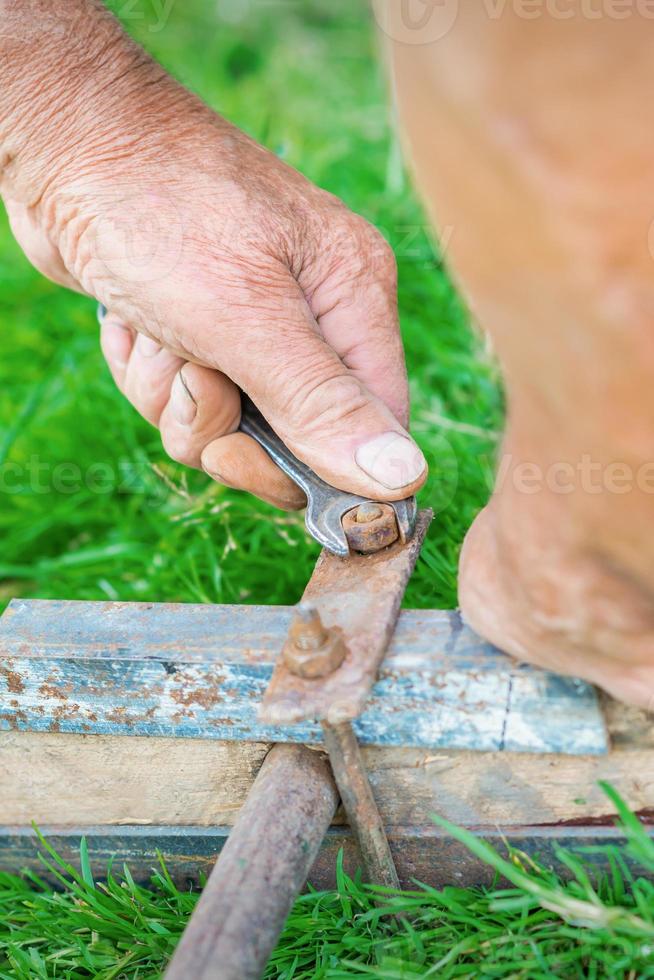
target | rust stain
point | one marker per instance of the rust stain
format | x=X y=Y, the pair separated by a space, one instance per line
x=65 y=712
x=206 y=697
x=14 y=719
x=120 y=716
x=15 y=683
x=179 y=716
x=107 y=688
x=51 y=691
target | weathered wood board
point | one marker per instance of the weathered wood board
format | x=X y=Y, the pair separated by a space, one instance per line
x=74 y=759
x=102 y=779
x=432 y=857
x=200 y=671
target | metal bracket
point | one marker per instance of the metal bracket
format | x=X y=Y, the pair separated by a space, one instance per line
x=359 y=599
x=349 y=612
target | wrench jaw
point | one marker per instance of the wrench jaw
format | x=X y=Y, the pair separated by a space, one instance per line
x=325 y=513
x=406 y=513
x=323 y=521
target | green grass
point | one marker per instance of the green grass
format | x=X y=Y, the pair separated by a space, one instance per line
x=305 y=79
x=538 y=928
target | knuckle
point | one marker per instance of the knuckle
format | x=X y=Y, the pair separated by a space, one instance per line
x=178 y=446
x=217 y=398
x=147 y=403
x=384 y=261
x=321 y=405
x=216 y=466
x=355 y=253
x=373 y=252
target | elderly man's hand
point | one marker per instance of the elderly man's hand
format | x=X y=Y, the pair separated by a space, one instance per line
x=221 y=268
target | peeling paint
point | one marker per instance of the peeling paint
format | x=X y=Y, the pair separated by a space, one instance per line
x=430 y=693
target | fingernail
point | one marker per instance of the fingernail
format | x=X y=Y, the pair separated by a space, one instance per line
x=391 y=459
x=147 y=346
x=182 y=404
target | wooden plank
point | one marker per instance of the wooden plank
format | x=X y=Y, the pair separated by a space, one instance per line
x=72 y=779
x=66 y=779
x=200 y=671
x=190 y=852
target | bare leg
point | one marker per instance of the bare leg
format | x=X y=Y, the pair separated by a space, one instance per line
x=532 y=138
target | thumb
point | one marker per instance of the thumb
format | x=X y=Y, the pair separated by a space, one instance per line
x=327 y=416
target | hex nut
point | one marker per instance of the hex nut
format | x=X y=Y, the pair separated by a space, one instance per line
x=371 y=535
x=318 y=662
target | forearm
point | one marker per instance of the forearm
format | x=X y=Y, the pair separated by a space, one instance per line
x=540 y=165
x=69 y=81
x=537 y=156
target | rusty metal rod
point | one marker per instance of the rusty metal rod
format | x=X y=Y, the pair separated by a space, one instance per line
x=261 y=869
x=359 y=803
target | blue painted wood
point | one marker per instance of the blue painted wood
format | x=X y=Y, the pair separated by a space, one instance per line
x=199 y=671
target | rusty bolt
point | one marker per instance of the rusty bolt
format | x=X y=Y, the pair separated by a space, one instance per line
x=307 y=631
x=370 y=527
x=311 y=649
x=367 y=511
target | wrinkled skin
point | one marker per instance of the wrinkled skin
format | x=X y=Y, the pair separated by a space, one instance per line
x=221 y=268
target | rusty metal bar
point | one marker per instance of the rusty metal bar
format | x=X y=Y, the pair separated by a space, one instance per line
x=330 y=660
x=261 y=869
x=360 y=599
x=313 y=651
x=359 y=803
